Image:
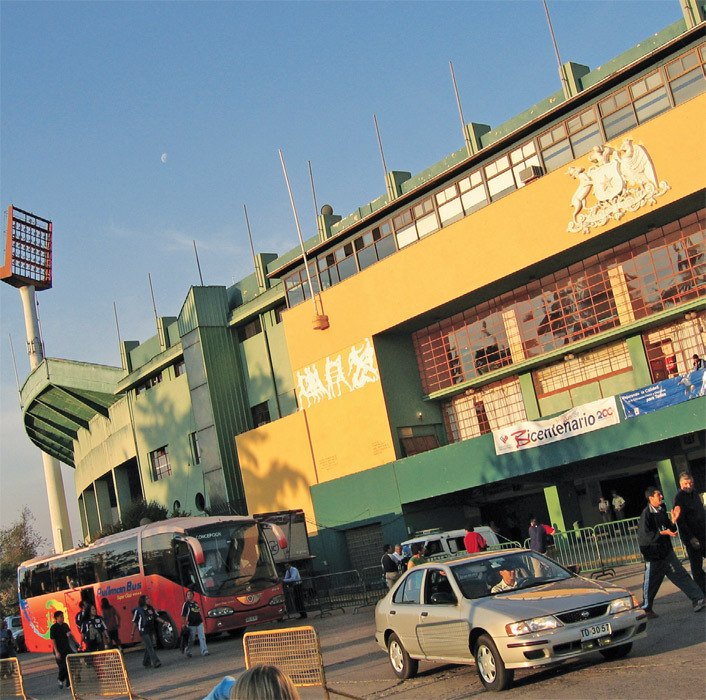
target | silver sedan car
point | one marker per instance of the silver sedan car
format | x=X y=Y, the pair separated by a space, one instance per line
x=503 y=610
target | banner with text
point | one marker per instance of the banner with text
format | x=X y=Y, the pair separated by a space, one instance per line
x=665 y=393
x=578 y=421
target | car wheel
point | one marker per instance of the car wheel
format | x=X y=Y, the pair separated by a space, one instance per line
x=402 y=664
x=167 y=633
x=613 y=653
x=491 y=669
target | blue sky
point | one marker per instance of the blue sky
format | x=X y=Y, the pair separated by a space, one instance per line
x=94 y=93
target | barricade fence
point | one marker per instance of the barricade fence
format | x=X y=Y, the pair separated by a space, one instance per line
x=598 y=550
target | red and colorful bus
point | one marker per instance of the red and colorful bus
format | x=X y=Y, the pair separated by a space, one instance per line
x=226 y=561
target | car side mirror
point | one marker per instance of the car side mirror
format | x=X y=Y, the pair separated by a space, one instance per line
x=443 y=598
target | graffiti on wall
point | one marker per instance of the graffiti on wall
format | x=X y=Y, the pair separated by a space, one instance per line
x=336 y=375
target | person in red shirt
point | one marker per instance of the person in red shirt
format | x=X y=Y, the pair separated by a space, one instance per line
x=474 y=541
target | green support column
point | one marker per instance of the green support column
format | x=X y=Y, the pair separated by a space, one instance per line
x=563 y=506
x=640 y=367
x=668 y=481
x=529 y=397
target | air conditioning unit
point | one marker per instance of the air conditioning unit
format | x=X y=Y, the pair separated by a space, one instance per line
x=531 y=173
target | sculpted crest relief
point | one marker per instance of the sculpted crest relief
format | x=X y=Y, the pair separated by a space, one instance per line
x=621 y=180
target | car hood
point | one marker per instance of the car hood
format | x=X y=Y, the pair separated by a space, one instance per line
x=555 y=597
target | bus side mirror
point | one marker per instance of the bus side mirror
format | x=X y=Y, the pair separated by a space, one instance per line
x=278 y=533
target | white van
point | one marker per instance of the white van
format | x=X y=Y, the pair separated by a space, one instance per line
x=450 y=543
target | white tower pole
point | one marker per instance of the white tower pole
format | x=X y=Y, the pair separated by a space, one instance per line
x=58 y=512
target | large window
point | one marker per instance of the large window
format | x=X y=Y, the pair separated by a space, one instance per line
x=643 y=276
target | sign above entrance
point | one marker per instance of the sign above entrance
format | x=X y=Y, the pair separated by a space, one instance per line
x=577 y=421
x=622 y=180
x=666 y=393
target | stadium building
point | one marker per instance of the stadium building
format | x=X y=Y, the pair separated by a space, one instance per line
x=509 y=333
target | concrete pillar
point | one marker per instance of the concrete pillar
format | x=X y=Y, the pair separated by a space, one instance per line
x=91 y=508
x=668 y=481
x=105 y=514
x=638 y=359
x=563 y=505
x=58 y=512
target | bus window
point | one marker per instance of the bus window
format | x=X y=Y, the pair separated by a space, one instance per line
x=121 y=559
x=85 y=569
x=185 y=567
x=158 y=556
x=40 y=579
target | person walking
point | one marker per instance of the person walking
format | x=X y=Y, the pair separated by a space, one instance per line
x=61 y=638
x=605 y=509
x=95 y=637
x=417 y=555
x=191 y=618
x=111 y=617
x=144 y=620
x=473 y=541
x=293 y=582
x=7 y=642
x=390 y=566
x=618 y=505
x=692 y=526
x=654 y=535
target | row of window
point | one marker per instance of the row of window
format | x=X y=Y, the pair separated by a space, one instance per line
x=641 y=277
x=664 y=88
x=670 y=351
x=179 y=368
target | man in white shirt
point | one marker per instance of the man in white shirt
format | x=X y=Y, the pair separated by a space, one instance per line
x=293 y=584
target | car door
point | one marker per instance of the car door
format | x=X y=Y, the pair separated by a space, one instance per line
x=404 y=612
x=443 y=629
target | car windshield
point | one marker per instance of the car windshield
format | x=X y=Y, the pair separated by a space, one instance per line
x=507 y=572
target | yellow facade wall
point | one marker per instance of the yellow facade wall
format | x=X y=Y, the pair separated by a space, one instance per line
x=277 y=466
x=351 y=433
x=521 y=229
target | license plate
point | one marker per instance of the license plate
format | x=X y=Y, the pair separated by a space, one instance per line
x=596 y=631
x=253 y=618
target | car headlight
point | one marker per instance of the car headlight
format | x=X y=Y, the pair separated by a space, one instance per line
x=277 y=600
x=625 y=604
x=221 y=612
x=536 y=624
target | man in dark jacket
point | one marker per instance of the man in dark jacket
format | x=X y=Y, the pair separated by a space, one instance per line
x=654 y=534
x=692 y=526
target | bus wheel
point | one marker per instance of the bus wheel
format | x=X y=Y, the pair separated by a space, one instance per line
x=167 y=633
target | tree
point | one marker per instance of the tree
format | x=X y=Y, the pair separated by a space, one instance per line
x=18 y=542
x=137 y=513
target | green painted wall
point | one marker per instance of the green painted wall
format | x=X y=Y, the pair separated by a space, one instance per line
x=384 y=490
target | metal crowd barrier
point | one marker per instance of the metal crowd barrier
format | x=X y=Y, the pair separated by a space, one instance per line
x=11 y=681
x=99 y=674
x=328 y=592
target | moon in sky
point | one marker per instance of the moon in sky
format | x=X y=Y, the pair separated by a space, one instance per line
x=164 y=157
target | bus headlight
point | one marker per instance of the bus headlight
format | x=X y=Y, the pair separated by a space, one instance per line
x=277 y=600
x=221 y=612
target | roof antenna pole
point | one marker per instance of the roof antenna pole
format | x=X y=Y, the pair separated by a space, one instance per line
x=562 y=76
x=198 y=264
x=469 y=146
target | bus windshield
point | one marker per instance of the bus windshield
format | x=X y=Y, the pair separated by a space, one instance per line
x=237 y=559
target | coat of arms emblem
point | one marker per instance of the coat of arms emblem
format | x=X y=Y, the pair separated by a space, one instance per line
x=621 y=180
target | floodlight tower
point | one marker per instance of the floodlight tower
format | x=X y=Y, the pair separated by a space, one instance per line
x=27 y=266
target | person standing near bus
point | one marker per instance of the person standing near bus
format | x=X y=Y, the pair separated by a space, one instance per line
x=60 y=635
x=191 y=618
x=82 y=618
x=144 y=619
x=96 y=635
x=111 y=617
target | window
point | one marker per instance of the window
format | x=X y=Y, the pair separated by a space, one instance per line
x=279 y=310
x=476 y=413
x=585 y=132
x=179 y=368
x=500 y=178
x=588 y=367
x=415 y=223
x=374 y=245
x=410 y=591
x=159 y=459
x=686 y=76
x=670 y=348
x=418 y=443
x=643 y=276
x=297 y=286
x=555 y=147
x=617 y=113
x=195 y=449
x=260 y=414
x=249 y=330
x=148 y=384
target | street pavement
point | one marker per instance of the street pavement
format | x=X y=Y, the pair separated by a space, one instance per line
x=667 y=664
